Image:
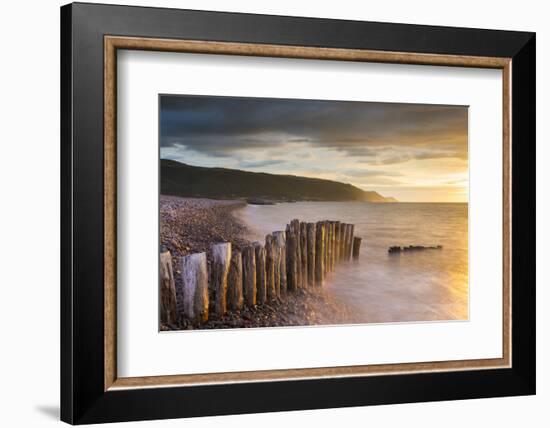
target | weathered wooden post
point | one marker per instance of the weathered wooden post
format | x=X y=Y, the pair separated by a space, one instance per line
x=194 y=277
x=280 y=241
x=261 y=288
x=350 y=244
x=336 y=240
x=168 y=305
x=295 y=229
x=221 y=259
x=347 y=242
x=276 y=263
x=303 y=253
x=356 y=247
x=319 y=253
x=277 y=252
x=249 y=275
x=329 y=246
x=310 y=232
x=343 y=230
x=235 y=282
x=291 y=260
x=288 y=256
x=332 y=244
x=327 y=240
x=324 y=247
x=270 y=262
x=337 y=243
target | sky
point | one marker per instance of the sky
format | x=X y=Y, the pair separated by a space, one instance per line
x=413 y=152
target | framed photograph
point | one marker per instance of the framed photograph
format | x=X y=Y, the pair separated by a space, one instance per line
x=266 y=213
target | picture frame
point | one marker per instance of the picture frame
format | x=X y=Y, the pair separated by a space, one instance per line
x=91 y=391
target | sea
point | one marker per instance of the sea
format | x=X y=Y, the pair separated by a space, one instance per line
x=415 y=286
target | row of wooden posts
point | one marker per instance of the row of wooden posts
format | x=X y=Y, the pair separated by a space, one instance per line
x=301 y=256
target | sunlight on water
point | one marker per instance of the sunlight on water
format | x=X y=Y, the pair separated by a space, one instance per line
x=417 y=286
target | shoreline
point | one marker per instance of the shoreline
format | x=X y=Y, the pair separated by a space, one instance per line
x=190 y=225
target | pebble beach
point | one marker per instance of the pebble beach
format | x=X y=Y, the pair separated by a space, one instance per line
x=191 y=225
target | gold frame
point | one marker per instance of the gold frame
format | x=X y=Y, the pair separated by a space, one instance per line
x=113 y=43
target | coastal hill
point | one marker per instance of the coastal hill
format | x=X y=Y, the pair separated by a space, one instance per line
x=179 y=179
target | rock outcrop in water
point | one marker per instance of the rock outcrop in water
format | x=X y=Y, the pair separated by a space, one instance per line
x=397 y=249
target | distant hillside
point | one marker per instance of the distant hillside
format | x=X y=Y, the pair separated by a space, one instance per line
x=180 y=179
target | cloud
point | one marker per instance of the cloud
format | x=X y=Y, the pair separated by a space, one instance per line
x=372 y=145
x=221 y=125
x=261 y=163
x=362 y=173
x=394 y=155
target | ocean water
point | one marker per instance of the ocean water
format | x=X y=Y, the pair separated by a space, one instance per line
x=424 y=285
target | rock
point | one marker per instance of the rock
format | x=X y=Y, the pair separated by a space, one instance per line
x=398 y=250
x=258 y=201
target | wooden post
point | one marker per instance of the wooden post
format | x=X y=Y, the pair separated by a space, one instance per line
x=350 y=243
x=347 y=242
x=337 y=243
x=325 y=249
x=194 y=277
x=276 y=262
x=330 y=239
x=288 y=257
x=221 y=259
x=280 y=241
x=332 y=244
x=291 y=260
x=235 y=282
x=356 y=247
x=270 y=262
x=277 y=253
x=343 y=229
x=261 y=289
x=295 y=229
x=168 y=306
x=310 y=232
x=329 y=246
x=303 y=254
x=319 y=253
x=249 y=275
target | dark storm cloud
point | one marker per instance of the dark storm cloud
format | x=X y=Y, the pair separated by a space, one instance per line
x=220 y=125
